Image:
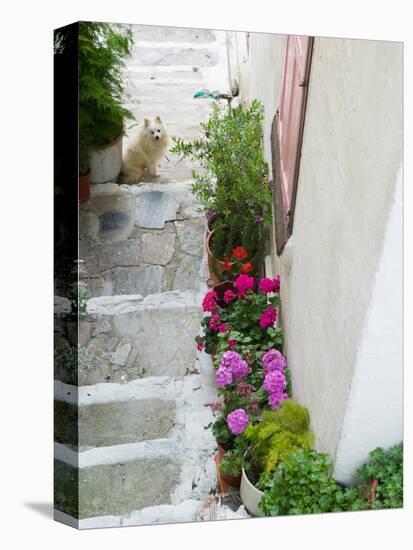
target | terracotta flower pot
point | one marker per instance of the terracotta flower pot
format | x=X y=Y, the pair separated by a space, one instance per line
x=215 y=266
x=250 y=496
x=84 y=187
x=231 y=480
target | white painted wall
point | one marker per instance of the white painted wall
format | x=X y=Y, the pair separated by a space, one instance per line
x=351 y=155
x=374 y=412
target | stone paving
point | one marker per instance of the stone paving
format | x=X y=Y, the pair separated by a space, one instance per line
x=142 y=406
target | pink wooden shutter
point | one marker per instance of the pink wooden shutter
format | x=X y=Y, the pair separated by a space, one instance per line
x=291 y=112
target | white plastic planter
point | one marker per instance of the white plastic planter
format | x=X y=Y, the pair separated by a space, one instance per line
x=106 y=163
x=250 y=496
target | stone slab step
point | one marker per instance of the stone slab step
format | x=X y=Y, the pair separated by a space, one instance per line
x=114 y=489
x=153 y=33
x=202 y=57
x=130 y=339
x=115 y=423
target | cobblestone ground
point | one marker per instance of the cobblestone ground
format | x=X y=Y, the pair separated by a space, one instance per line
x=146 y=450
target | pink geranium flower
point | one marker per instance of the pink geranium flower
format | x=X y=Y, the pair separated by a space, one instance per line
x=268 y=317
x=209 y=303
x=243 y=283
x=229 y=295
x=237 y=421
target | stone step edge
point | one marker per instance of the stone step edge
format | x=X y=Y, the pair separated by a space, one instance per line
x=156 y=387
x=149 y=44
x=185 y=511
x=130 y=303
x=116 y=454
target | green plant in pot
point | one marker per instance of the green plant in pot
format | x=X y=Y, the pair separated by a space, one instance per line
x=383 y=475
x=280 y=433
x=102 y=49
x=302 y=484
x=232 y=185
x=233 y=462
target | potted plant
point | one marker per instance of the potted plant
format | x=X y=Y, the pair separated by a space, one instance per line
x=233 y=461
x=383 y=477
x=242 y=318
x=280 y=433
x=102 y=49
x=232 y=188
x=302 y=484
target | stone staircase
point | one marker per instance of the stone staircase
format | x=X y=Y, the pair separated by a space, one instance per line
x=143 y=451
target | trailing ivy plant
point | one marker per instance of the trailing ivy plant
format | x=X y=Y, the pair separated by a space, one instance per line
x=102 y=49
x=387 y=468
x=302 y=484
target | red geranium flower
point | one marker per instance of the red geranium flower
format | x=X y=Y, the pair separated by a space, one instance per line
x=246 y=268
x=228 y=265
x=239 y=253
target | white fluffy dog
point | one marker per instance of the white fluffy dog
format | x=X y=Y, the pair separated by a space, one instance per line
x=145 y=150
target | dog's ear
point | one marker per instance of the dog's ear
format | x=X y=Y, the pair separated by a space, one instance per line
x=158 y=118
x=146 y=121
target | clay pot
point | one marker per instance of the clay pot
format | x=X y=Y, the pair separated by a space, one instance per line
x=231 y=480
x=214 y=265
x=84 y=187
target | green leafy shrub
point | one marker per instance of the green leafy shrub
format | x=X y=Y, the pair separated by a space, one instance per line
x=280 y=433
x=233 y=460
x=302 y=484
x=102 y=48
x=233 y=178
x=387 y=468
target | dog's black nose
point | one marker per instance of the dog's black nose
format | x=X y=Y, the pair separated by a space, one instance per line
x=156 y=137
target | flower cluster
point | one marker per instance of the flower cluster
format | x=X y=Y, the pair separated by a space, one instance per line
x=275 y=382
x=273 y=360
x=210 y=301
x=232 y=368
x=229 y=296
x=216 y=324
x=237 y=421
x=267 y=285
x=268 y=317
x=238 y=264
x=243 y=283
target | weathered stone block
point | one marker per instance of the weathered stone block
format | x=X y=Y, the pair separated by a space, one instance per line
x=134 y=280
x=191 y=235
x=120 y=253
x=188 y=276
x=114 y=423
x=114 y=489
x=165 y=328
x=158 y=248
x=154 y=208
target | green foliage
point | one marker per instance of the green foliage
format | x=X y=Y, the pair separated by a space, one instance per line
x=280 y=433
x=102 y=48
x=79 y=294
x=387 y=468
x=302 y=484
x=233 y=460
x=233 y=179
